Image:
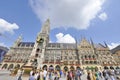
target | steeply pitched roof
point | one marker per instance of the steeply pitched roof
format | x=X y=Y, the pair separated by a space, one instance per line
x=115 y=49
x=22 y=44
x=62 y=45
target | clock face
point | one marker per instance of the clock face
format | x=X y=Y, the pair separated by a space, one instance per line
x=40 y=40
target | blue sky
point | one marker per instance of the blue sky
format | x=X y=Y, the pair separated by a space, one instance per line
x=96 y=19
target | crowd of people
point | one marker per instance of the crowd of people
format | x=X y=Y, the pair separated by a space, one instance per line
x=103 y=75
x=107 y=74
x=55 y=74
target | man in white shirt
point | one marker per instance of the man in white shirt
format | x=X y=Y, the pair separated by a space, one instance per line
x=44 y=74
x=19 y=74
x=31 y=72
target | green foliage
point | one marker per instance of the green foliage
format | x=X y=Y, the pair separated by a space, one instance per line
x=96 y=68
x=15 y=71
x=27 y=71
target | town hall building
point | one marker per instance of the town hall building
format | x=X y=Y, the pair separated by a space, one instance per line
x=42 y=54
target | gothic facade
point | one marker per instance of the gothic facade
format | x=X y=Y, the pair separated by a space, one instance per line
x=42 y=54
x=116 y=53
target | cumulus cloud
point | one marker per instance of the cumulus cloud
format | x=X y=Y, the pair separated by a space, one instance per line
x=7 y=27
x=113 y=45
x=67 y=13
x=67 y=38
x=103 y=16
x=2 y=44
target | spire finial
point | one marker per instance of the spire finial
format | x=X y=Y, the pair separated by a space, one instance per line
x=46 y=27
x=105 y=44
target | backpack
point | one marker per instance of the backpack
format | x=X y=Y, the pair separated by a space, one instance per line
x=78 y=73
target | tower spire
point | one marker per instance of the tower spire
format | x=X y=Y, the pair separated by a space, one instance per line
x=19 y=39
x=105 y=44
x=91 y=42
x=46 y=27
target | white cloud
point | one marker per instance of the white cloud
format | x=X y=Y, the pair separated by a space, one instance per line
x=67 y=38
x=113 y=45
x=50 y=41
x=103 y=16
x=67 y=13
x=2 y=44
x=7 y=27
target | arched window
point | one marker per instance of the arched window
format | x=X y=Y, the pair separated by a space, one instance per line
x=72 y=68
x=85 y=56
x=93 y=56
x=86 y=62
x=66 y=68
x=5 y=66
x=36 y=55
x=37 y=50
x=57 y=68
x=91 y=62
x=44 y=67
x=17 y=66
x=89 y=56
x=95 y=62
x=51 y=67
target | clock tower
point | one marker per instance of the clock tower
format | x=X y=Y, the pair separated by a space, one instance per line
x=37 y=56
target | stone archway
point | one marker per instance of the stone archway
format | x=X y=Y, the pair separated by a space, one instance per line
x=117 y=67
x=65 y=68
x=51 y=67
x=17 y=66
x=72 y=68
x=78 y=68
x=57 y=68
x=4 y=66
x=106 y=67
x=111 y=67
x=44 y=67
x=11 y=66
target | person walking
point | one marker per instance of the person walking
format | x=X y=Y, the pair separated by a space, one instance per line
x=79 y=73
x=69 y=76
x=44 y=74
x=31 y=72
x=50 y=75
x=19 y=74
x=97 y=75
x=32 y=76
x=93 y=76
x=76 y=75
x=41 y=74
x=88 y=76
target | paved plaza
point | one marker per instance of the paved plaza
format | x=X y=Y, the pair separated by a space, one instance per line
x=5 y=75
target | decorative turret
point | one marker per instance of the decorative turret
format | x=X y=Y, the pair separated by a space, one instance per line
x=92 y=42
x=106 y=44
x=19 y=39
